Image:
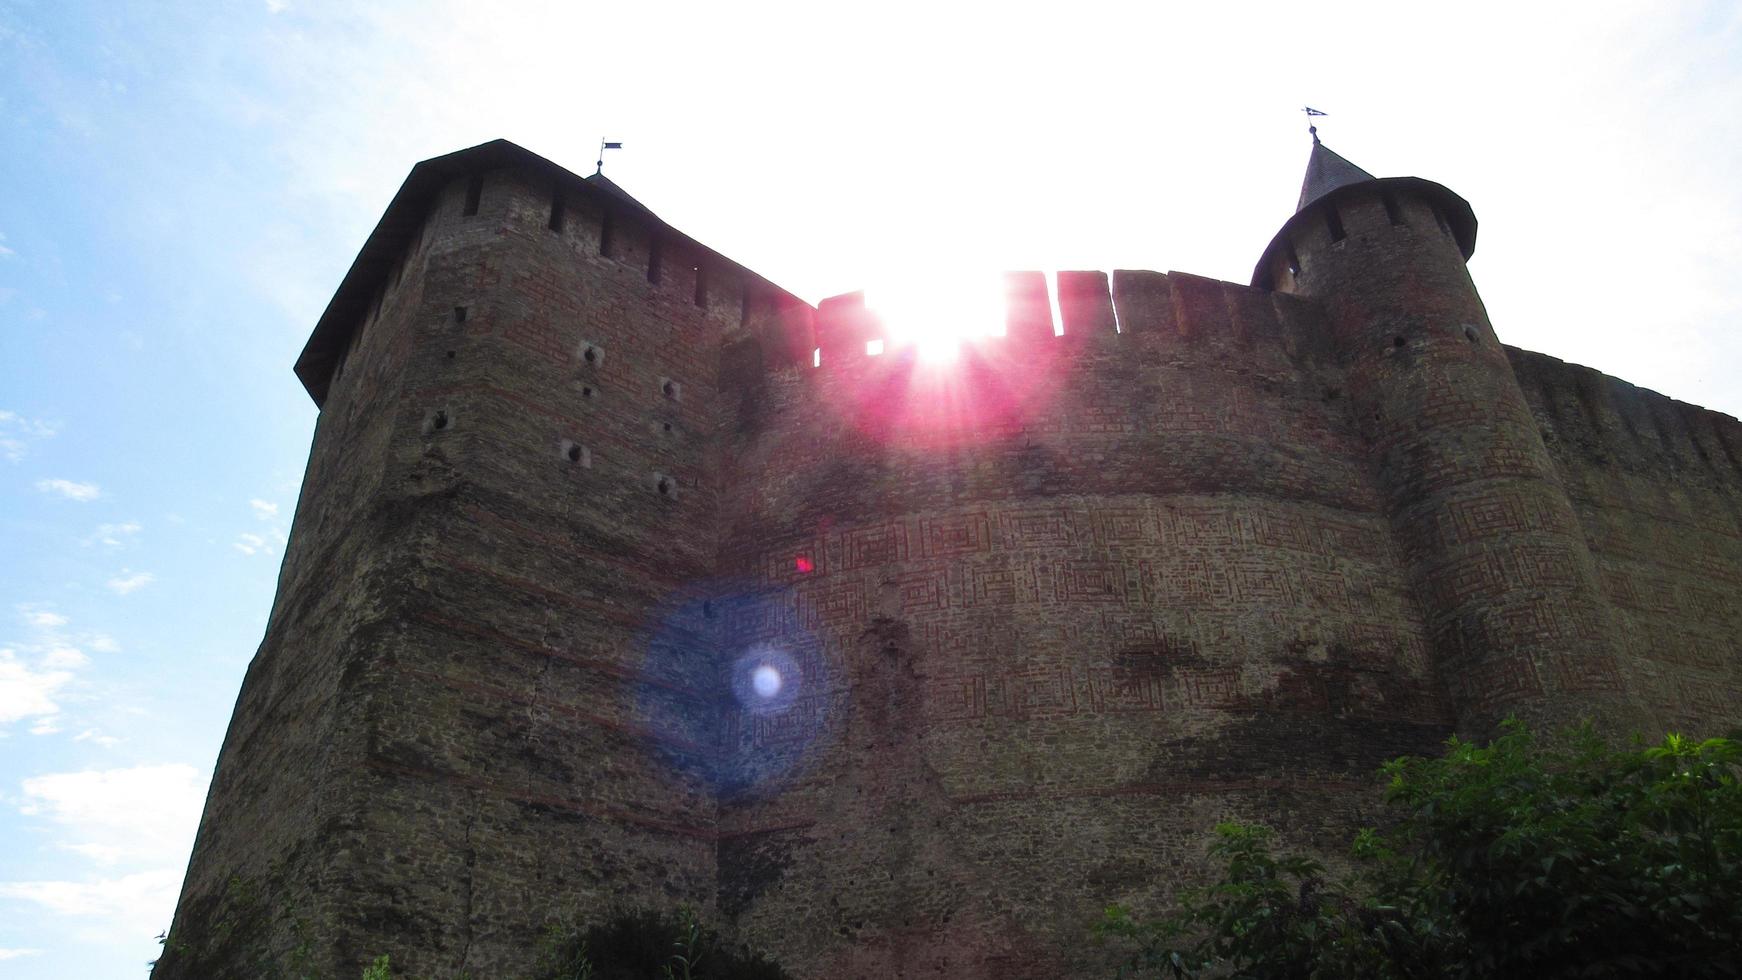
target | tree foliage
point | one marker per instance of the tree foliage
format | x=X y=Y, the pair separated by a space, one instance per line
x=646 y=945
x=1563 y=858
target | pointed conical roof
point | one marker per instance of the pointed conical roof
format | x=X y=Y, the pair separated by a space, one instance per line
x=1325 y=172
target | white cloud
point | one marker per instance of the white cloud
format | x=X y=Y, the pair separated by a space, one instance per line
x=136 y=823
x=96 y=737
x=43 y=619
x=64 y=657
x=17 y=432
x=250 y=544
x=5 y=253
x=13 y=954
x=277 y=6
x=81 y=492
x=130 y=581
x=33 y=675
x=140 y=902
x=265 y=510
x=114 y=535
x=144 y=813
x=27 y=690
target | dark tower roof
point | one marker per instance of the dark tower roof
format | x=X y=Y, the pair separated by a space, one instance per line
x=403 y=221
x=1326 y=171
x=1329 y=176
x=610 y=187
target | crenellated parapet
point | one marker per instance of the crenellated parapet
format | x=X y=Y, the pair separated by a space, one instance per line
x=1174 y=312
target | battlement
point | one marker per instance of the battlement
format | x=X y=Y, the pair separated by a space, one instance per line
x=1174 y=309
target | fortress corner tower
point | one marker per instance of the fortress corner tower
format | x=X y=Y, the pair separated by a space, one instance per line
x=1493 y=547
x=621 y=577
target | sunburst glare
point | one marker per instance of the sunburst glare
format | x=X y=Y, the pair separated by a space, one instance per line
x=937 y=314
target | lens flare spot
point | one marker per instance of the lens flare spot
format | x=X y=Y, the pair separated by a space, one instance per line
x=765 y=681
x=803 y=564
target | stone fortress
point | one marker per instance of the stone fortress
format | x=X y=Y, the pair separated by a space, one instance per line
x=622 y=577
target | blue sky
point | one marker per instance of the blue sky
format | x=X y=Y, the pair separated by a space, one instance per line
x=183 y=184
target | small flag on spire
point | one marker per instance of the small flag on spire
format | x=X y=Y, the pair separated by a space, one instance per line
x=1311 y=112
x=603 y=146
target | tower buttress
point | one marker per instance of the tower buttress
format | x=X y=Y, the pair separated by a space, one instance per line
x=1519 y=623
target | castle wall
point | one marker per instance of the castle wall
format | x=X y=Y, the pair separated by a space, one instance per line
x=1657 y=485
x=486 y=608
x=601 y=595
x=1050 y=613
x=271 y=878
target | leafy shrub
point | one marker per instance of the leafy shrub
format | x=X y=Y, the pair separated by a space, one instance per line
x=1519 y=858
x=647 y=945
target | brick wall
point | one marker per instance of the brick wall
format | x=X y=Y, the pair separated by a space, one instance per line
x=1034 y=620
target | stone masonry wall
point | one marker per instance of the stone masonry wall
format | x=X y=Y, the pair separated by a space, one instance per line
x=601 y=595
x=1657 y=485
x=1048 y=614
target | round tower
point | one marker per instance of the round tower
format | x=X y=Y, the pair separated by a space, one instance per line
x=1493 y=546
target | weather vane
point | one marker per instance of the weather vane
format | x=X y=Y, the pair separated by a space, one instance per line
x=603 y=146
x=1311 y=114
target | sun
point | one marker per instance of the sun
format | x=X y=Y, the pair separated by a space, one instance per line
x=935 y=314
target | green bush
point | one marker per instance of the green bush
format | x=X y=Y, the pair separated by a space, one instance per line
x=1516 y=859
x=646 y=945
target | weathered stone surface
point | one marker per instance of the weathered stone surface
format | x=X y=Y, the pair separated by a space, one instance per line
x=1038 y=619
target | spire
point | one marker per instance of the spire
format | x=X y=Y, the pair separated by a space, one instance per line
x=1325 y=172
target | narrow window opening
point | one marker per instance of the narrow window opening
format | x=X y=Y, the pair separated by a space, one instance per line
x=459 y=314
x=1398 y=341
x=556 y=210
x=586 y=391
x=701 y=297
x=474 y=192
x=590 y=355
x=451 y=355
x=440 y=421
x=666 y=427
x=669 y=389
x=664 y=486
x=574 y=453
x=1471 y=336
x=655 y=261
x=607 y=232
x=1334 y=222
x=1392 y=213
x=1293 y=261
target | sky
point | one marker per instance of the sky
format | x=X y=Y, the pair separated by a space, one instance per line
x=182 y=186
